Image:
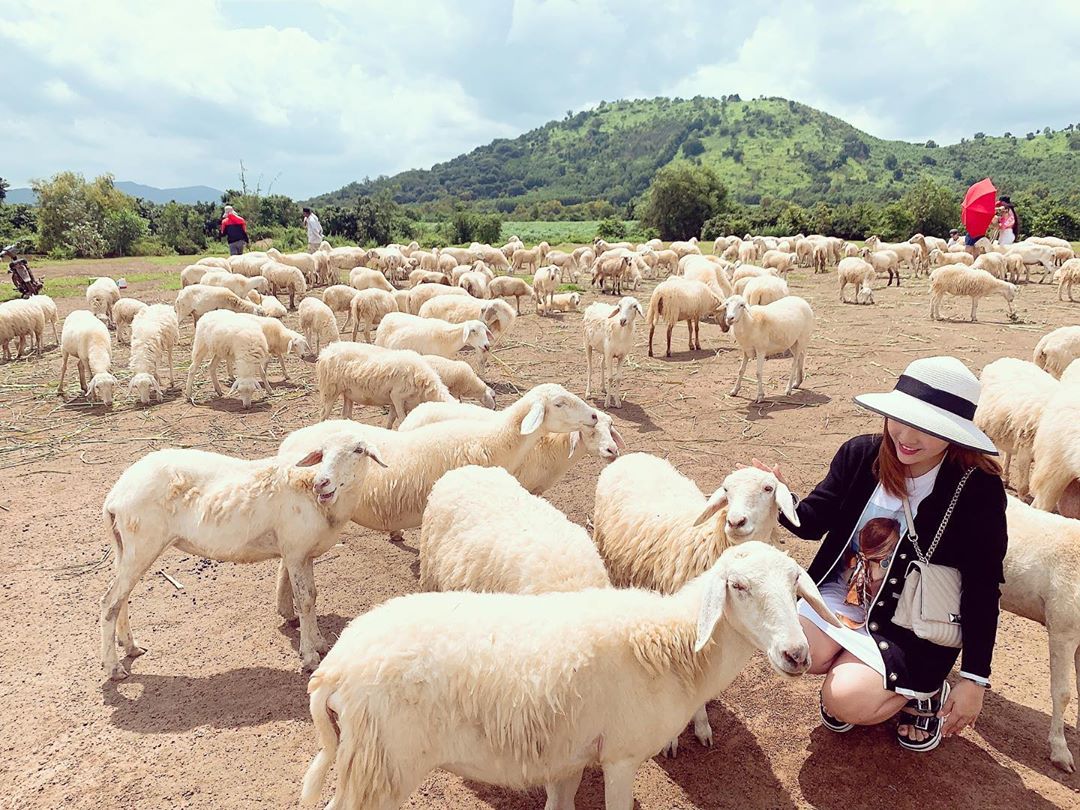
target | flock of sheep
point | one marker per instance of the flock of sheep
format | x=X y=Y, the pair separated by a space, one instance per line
x=625 y=634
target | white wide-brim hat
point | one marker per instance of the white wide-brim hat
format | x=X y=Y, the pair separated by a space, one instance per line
x=937 y=395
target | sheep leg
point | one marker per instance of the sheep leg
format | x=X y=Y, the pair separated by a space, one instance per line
x=63 y=369
x=793 y=378
x=286 y=608
x=56 y=337
x=346 y=407
x=265 y=379
x=652 y=329
x=1048 y=482
x=214 y=361
x=123 y=632
x=82 y=366
x=560 y=795
x=312 y=644
x=348 y=320
x=397 y=408
x=588 y=371
x=670 y=327
x=1063 y=652
x=605 y=378
x=697 y=334
x=517 y=300
x=738 y=378
x=702 y=727
x=132 y=562
x=172 y=379
x=974 y=307
x=615 y=379
x=761 y=375
x=619 y=785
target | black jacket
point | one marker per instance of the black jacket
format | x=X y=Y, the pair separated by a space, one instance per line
x=974 y=542
x=235 y=232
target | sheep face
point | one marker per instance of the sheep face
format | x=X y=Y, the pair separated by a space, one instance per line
x=244 y=389
x=338 y=464
x=626 y=310
x=602 y=441
x=557 y=411
x=302 y=349
x=733 y=310
x=752 y=498
x=477 y=335
x=146 y=386
x=488 y=400
x=101 y=387
x=755 y=588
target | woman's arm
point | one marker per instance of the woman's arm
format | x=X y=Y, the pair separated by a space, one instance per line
x=981 y=576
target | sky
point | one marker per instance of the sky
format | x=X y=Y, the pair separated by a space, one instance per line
x=313 y=95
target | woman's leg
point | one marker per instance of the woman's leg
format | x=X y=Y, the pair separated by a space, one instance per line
x=853 y=692
x=823 y=650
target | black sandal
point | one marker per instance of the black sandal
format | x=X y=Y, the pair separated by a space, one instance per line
x=832 y=724
x=924 y=718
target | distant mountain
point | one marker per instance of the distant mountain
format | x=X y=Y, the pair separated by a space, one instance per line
x=186 y=194
x=768 y=147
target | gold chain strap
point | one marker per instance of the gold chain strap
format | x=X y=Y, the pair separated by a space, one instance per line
x=925 y=558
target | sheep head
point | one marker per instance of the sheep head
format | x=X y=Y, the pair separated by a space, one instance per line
x=101 y=387
x=556 y=410
x=146 y=385
x=339 y=462
x=752 y=497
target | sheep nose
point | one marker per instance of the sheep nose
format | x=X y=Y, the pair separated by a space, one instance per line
x=737 y=523
x=321 y=484
x=622 y=321
x=798 y=658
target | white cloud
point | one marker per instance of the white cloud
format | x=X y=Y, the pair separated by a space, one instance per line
x=59 y=91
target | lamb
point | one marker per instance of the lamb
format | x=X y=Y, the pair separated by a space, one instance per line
x=860 y=273
x=347 y=257
x=86 y=338
x=1055 y=350
x=470 y=515
x=784 y=325
x=199 y=299
x=759 y=290
x=675 y=299
x=22 y=319
x=154 y=334
x=460 y=380
x=565 y=302
x=48 y=309
x=552 y=457
x=101 y=294
x=1069 y=275
x=1034 y=254
x=545 y=282
x=528 y=260
x=339 y=298
x=223 y=335
x=1013 y=399
x=123 y=313
x=819 y=257
x=1015 y=267
x=959 y=279
x=913 y=254
x=370 y=375
x=395 y=500
x=286 y=277
x=280 y=341
x=318 y=324
x=193 y=274
x=498 y=315
x=507 y=286
x=224 y=508
x=422 y=293
x=940 y=257
x=629 y=669
x=667 y=259
x=237 y=282
x=399 y=330
x=512 y=244
x=368 y=308
x=220 y=262
x=609 y=330
x=779 y=261
x=1056 y=449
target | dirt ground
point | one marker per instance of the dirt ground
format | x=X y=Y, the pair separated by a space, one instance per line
x=215 y=714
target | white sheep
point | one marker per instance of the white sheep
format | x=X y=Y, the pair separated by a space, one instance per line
x=399 y=330
x=285 y=277
x=510 y=286
x=371 y=375
x=528 y=690
x=248 y=264
x=940 y=257
x=306 y=263
x=223 y=335
x=545 y=283
x=364 y=278
x=961 y=280
x=750 y=270
x=474 y=283
x=460 y=380
x=528 y=260
x=1034 y=254
x=101 y=294
x=1056 y=349
x=884 y=261
x=421 y=276
x=48 y=309
x=123 y=313
x=237 y=282
x=860 y=274
x=193 y=273
x=339 y=298
x=992 y=263
x=86 y=338
x=224 y=508
x=758 y=290
x=318 y=324
x=280 y=341
x=778 y=260
x=497 y=314
x=154 y=334
x=272 y=307
x=368 y=308
x=761 y=331
x=565 y=302
x=1068 y=274
x=422 y=293
x=677 y=299
x=1057 y=446
x=21 y=319
x=704 y=269
x=609 y=330
x=199 y=299
x=465 y=539
x=219 y=262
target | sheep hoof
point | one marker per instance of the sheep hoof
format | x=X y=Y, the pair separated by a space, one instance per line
x=397 y=536
x=310 y=661
x=704 y=736
x=1061 y=756
x=322 y=645
x=671 y=750
x=118 y=672
x=134 y=651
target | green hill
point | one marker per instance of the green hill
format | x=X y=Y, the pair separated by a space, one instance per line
x=765 y=148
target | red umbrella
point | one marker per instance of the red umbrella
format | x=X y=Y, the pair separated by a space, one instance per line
x=978 y=208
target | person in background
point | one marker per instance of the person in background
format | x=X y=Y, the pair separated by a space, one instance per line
x=235 y=230
x=314 y=230
x=955 y=240
x=1008 y=221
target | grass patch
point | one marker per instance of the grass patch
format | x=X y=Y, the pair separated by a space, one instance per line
x=75 y=286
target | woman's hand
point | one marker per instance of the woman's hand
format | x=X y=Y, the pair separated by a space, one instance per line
x=774 y=470
x=962 y=708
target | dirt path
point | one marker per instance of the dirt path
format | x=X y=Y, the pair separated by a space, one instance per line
x=215 y=715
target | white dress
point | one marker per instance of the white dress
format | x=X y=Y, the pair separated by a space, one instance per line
x=834 y=588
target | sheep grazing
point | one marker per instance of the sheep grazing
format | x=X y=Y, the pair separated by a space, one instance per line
x=961 y=280
x=224 y=508
x=422 y=293
x=237 y=282
x=101 y=295
x=395 y=500
x=913 y=254
x=123 y=313
x=193 y=274
x=86 y=338
x=318 y=324
x=399 y=330
x=471 y=513
x=421 y=276
x=1012 y=401
x=368 y=308
x=1055 y=350
x=285 y=277
x=364 y=278
x=611 y=266
x=475 y=284
x=370 y=375
x=676 y=299
x=509 y=286
x=199 y=299
x=622 y=673
x=498 y=315
x=48 y=309
x=759 y=290
x=154 y=334
x=761 y=331
x=860 y=274
x=940 y=257
x=460 y=380
x=21 y=319
x=272 y=307
x=1068 y=275
x=609 y=331
x=280 y=341
x=1057 y=446
x=339 y=298
x=238 y=340
x=565 y=302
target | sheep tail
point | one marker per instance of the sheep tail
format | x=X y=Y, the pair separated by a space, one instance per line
x=327 y=731
x=656 y=309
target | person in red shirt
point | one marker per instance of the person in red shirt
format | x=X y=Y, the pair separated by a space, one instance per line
x=235 y=230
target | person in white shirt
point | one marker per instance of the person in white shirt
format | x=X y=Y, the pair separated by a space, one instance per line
x=955 y=240
x=314 y=230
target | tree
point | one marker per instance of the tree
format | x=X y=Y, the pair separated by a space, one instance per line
x=122 y=229
x=681 y=198
x=890 y=162
x=931 y=209
x=4 y=186
x=72 y=213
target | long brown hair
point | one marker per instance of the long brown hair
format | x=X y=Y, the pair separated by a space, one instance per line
x=892 y=473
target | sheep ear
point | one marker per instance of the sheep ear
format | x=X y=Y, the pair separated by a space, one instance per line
x=615 y=312
x=640 y=311
x=712 y=608
x=619 y=442
x=533 y=419
x=716 y=502
x=808 y=591
x=465 y=333
x=786 y=503
x=372 y=452
x=490 y=336
x=575 y=440
x=311 y=459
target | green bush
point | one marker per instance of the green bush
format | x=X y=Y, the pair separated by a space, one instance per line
x=123 y=228
x=681 y=199
x=151 y=246
x=611 y=229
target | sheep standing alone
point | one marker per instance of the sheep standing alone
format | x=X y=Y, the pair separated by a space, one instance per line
x=48 y=309
x=101 y=294
x=399 y=330
x=223 y=508
x=676 y=299
x=510 y=286
x=859 y=273
x=318 y=324
x=123 y=313
x=961 y=280
x=154 y=334
x=21 y=319
x=609 y=331
x=761 y=331
x=368 y=308
x=86 y=338
x=600 y=677
x=223 y=335
x=1055 y=350
x=545 y=282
